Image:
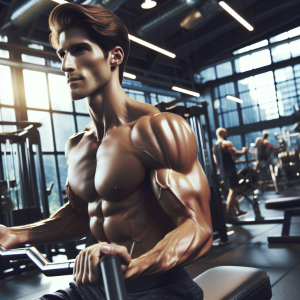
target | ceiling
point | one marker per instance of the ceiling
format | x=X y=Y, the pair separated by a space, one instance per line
x=213 y=39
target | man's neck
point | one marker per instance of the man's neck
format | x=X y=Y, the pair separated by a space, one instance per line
x=108 y=108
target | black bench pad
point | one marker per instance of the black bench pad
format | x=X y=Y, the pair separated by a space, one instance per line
x=283 y=203
x=235 y=283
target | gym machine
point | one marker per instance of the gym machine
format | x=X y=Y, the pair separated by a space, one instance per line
x=22 y=181
x=226 y=282
x=197 y=118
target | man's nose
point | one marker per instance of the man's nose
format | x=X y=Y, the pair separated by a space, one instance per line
x=68 y=64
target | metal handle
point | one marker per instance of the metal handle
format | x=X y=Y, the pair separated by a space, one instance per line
x=110 y=267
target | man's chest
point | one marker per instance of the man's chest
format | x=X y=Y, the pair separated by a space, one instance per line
x=110 y=170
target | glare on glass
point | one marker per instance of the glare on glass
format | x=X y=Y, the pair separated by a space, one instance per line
x=81 y=106
x=224 y=69
x=60 y=94
x=33 y=59
x=64 y=127
x=264 y=79
x=284 y=74
x=45 y=130
x=82 y=122
x=226 y=89
x=6 y=90
x=261 y=58
x=4 y=54
x=36 y=89
x=7 y=114
x=281 y=52
x=295 y=48
x=243 y=64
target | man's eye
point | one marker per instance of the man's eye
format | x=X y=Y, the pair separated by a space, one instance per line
x=80 y=49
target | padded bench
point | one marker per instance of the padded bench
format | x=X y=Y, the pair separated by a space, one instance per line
x=235 y=283
x=291 y=207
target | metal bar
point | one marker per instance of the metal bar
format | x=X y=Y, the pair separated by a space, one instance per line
x=286 y=222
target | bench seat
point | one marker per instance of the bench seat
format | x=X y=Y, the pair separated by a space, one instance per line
x=235 y=283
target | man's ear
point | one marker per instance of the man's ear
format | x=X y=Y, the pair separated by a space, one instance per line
x=117 y=56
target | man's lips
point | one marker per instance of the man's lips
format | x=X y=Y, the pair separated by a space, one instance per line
x=73 y=79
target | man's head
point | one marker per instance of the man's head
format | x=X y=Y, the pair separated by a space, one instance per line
x=265 y=135
x=221 y=133
x=95 y=42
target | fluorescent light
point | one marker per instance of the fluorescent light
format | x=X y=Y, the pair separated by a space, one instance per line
x=235 y=15
x=153 y=47
x=232 y=98
x=128 y=75
x=287 y=135
x=178 y=89
x=60 y=1
x=148 y=4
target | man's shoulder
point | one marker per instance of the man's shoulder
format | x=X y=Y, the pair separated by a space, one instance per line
x=166 y=137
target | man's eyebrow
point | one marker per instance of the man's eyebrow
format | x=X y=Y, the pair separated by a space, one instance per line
x=72 y=47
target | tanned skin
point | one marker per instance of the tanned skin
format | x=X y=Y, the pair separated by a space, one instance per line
x=134 y=179
x=227 y=147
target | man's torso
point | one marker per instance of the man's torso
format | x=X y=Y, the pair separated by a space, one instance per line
x=111 y=177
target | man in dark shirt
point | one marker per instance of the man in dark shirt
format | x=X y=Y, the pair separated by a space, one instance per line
x=223 y=151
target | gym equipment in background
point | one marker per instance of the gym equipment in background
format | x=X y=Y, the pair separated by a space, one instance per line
x=197 y=118
x=226 y=282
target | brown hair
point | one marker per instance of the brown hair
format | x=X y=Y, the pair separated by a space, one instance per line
x=103 y=26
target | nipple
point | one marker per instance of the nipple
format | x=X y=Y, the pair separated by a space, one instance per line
x=117 y=188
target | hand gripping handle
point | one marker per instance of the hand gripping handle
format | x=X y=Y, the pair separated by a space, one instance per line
x=110 y=266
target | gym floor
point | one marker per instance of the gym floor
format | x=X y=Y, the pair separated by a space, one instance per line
x=248 y=247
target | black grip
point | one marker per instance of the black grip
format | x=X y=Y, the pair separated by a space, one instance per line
x=113 y=280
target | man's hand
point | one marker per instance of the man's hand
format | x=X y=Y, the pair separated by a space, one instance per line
x=245 y=149
x=7 y=238
x=86 y=268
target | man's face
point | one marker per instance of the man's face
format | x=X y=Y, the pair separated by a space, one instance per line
x=83 y=62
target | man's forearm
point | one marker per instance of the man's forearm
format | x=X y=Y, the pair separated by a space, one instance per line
x=64 y=225
x=180 y=247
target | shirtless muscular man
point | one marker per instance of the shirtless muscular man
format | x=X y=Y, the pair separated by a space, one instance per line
x=134 y=180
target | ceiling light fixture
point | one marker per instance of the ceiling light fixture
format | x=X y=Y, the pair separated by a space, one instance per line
x=148 y=4
x=60 y=1
x=178 y=89
x=235 y=15
x=151 y=46
x=232 y=98
x=128 y=75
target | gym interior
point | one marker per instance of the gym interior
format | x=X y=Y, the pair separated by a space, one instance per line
x=231 y=64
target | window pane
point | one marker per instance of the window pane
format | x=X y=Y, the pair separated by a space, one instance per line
x=298 y=85
x=261 y=59
x=33 y=59
x=295 y=48
x=7 y=114
x=246 y=84
x=286 y=106
x=164 y=98
x=286 y=89
x=297 y=70
x=51 y=175
x=227 y=104
x=250 y=115
x=284 y=74
x=249 y=98
x=264 y=79
x=63 y=170
x=6 y=91
x=206 y=75
x=45 y=130
x=279 y=37
x=82 y=122
x=227 y=88
x=243 y=64
x=81 y=106
x=231 y=119
x=60 y=93
x=294 y=32
x=268 y=111
x=136 y=95
x=266 y=94
x=281 y=52
x=224 y=69
x=220 y=119
x=4 y=54
x=36 y=89
x=63 y=128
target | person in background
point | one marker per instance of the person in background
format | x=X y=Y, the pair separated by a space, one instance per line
x=223 y=151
